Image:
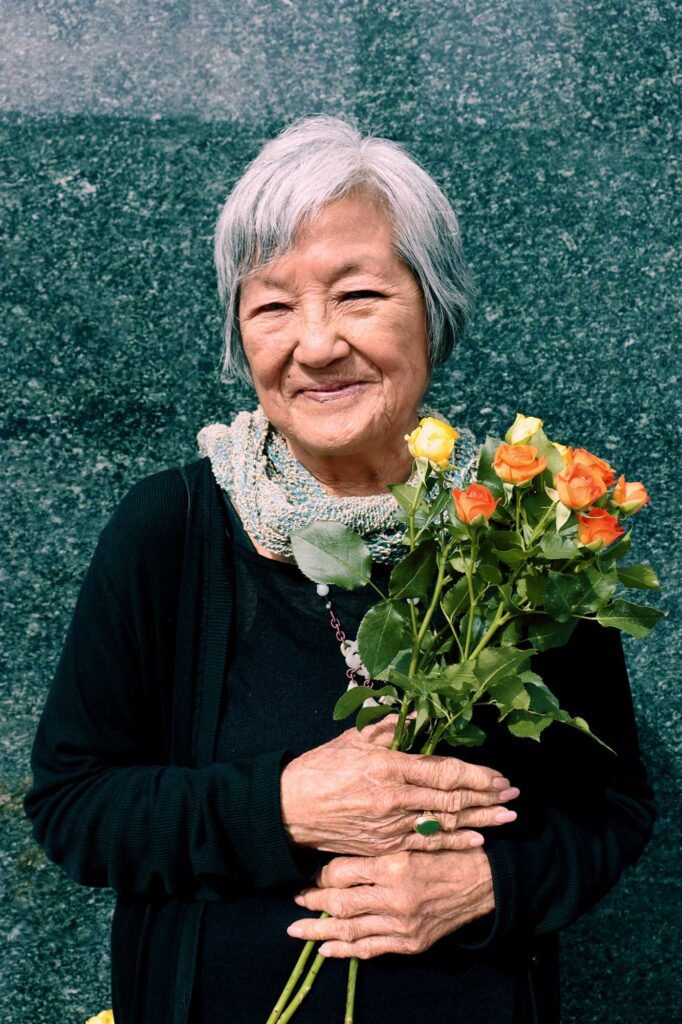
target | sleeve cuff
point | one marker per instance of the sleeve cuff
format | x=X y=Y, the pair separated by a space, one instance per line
x=487 y=931
x=254 y=825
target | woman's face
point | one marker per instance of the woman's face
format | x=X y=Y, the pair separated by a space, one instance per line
x=335 y=335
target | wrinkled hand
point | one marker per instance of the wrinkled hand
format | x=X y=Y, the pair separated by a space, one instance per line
x=355 y=795
x=398 y=903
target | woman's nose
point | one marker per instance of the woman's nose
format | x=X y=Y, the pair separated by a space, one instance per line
x=319 y=342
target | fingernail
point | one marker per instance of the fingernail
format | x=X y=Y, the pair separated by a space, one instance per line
x=510 y=794
x=324 y=951
x=505 y=815
x=476 y=841
x=500 y=783
x=295 y=931
x=298 y=899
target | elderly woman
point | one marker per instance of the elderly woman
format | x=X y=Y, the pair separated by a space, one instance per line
x=187 y=756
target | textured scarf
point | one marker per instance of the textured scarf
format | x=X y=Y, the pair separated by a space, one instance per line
x=276 y=495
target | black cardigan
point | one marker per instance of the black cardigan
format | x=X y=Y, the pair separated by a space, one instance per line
x=126 y=792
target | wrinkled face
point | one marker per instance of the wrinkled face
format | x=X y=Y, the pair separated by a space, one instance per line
x=335 y=335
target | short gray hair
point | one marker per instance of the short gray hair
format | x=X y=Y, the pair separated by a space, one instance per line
x=313 y=162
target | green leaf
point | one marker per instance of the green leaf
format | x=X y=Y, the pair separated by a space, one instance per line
x=535 y=506
x=494 y=663
x=328 y=552
x=562 y=594
x=531 y=588
x=636 y=619
x=614 y=552
x=489 y=572
x=469 y=735
x=485 y=473
x=456 y=599
x=400 y=664
x=555 y=463
x=640 y=576
x=542 y=700
x=509 y=693
x=558 y=546
x=370 y=714
x=384 y=633
x=527 y=725
x=460 y=676
x=512 y=633
x=354 y=698
x=545 y=632
x=404 y=494
x=414 y=574
x=597 y=587
x=442 y=503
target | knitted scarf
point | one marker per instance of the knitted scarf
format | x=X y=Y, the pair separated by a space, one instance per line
x=276 y=495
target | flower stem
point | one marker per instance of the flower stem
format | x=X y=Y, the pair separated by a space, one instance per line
x=293 y=978
x=350 y=991
x=303 y=991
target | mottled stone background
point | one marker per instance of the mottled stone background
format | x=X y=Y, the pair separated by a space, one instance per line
x=550 y=126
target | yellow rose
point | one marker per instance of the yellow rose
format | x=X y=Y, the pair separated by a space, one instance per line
x=522 y=429
x=105 y=1017
x=433 y=440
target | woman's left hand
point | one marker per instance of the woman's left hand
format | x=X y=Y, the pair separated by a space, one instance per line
x=395 y=903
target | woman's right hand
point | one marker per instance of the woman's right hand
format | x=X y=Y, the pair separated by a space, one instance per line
x=355 y=795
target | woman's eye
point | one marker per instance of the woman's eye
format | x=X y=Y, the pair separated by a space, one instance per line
x=271 y=307
x=364 y=293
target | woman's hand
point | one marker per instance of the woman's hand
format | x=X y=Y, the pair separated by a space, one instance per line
x=398 y=903
x=355 y=795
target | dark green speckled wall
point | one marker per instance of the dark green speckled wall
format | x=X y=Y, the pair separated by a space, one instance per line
x=550 y=126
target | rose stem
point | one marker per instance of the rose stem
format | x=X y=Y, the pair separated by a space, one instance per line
x=303 y=991
x=350 y=991
x=293 y=978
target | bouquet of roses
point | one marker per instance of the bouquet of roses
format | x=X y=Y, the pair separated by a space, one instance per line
x=490 y=576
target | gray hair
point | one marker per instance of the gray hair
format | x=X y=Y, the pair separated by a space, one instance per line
x=313 y=162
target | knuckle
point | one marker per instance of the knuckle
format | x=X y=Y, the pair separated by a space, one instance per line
x=336 y=904
x=398 y=865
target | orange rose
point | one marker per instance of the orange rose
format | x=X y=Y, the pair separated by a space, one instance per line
x=595 y=464
x=474 y=505
x=598 y=529
x=518 y=463
x=579 y=486
x=630 y=497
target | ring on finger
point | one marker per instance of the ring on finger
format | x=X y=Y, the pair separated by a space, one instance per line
x=427 y=824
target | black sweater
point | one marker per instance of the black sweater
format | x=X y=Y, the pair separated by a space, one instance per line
x=126 y=792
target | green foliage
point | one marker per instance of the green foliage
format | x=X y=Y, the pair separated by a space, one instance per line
x=384 y=632
x=636 y=619
x=327 y=552
x=413 y=575
x=639 y=576
x=486 y=474
x=545 y=633
x=352 y=699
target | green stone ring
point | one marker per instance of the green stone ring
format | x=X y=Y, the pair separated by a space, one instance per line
x=427 y=825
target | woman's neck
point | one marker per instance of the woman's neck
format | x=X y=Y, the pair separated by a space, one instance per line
x=347 y=476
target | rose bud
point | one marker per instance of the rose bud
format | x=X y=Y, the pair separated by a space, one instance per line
x=579 y=486
x=433 y=440
x=475 y=505
x=105 y=1017
x=522 y=429
x=598 y=529
x=629 y=497
x=518 y=463
x=595 y=464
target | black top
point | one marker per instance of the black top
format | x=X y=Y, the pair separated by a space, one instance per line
x=130 y=791
x=285 y=675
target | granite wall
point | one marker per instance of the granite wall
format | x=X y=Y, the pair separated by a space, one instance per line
x=551 y=127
